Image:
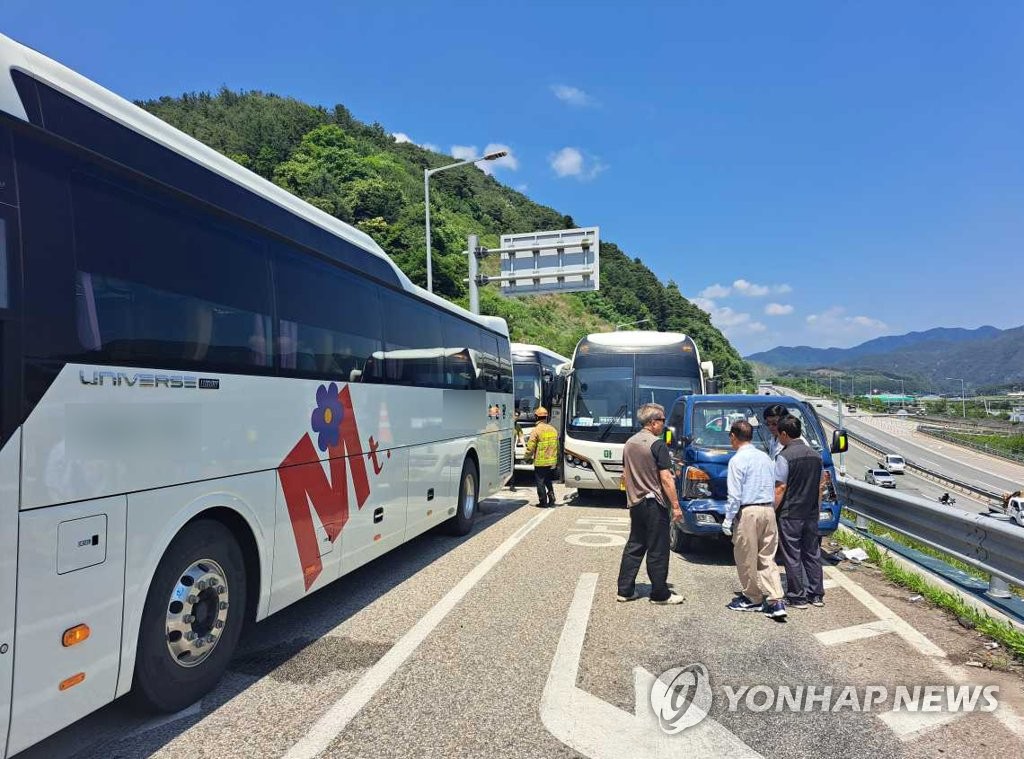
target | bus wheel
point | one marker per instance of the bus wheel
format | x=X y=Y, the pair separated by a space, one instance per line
x=192 y=618
x=469 y=494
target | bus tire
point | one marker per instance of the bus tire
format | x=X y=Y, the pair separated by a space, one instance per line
x=468 y=503
x=193 y=616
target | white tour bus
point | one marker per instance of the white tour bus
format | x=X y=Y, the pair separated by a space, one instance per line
x=611 y=375
x=533 y=368
x=193 y=429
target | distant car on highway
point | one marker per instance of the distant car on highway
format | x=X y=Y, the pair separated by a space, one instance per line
x=880 y=477
x=893 y=463
x=851 y=409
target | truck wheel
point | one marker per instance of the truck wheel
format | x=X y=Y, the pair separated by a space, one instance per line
x=192 y=618
x=469 y=494
x=679 y=541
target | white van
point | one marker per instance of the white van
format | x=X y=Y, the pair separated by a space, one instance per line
x=893 y=462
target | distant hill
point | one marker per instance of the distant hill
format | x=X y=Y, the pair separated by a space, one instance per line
x=360 y=174
x=986 y=356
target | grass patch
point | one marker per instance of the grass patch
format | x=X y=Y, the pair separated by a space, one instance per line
x=1006 y=443
x=1003 y=633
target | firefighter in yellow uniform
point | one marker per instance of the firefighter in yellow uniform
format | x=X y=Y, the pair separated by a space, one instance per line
x=542 y=449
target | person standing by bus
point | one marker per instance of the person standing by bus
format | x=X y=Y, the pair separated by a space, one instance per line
x=799 y=482
x=542 y=449
x=650 y=492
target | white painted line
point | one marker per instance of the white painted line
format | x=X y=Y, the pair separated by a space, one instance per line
x=900 y=626
x=1005 y=713
x=337 y=717
x=828 y=583
x=597 y=729
x=909 y=725
x=855 y=632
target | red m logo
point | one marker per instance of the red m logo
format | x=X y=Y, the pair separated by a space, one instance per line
x=305 y=483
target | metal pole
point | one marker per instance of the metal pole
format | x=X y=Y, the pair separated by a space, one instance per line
x=862 y=522
x=426 y=206
x=474 y=290
x=842 y=459
x=998 y=587
x=963 y=398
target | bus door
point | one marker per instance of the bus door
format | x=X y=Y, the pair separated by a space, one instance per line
x=10 y=438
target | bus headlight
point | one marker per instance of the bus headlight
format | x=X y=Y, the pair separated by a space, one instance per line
x=696 y=483
x=824 y=516
x=575 y=461
x=705 y=519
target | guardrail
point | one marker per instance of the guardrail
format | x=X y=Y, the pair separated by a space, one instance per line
x=990 y=545
x=943 y=433
x=991 y=497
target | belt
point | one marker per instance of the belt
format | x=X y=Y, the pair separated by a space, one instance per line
x=756 y=504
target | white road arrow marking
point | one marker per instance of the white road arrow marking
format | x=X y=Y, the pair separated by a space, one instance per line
x=599 y=730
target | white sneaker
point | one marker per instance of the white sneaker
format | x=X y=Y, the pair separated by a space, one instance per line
x=672 y=600
x=623 y=599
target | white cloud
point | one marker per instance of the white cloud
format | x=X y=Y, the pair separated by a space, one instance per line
x=570 y=162
x=402 y=137
x=572 y=95
x=778 y=309
x=782 y=289
x=431 y=147
x=465 y=152
x=836 y=323
x=732 y=323
x=749 y=289
x=522 y=187
x=715 y=291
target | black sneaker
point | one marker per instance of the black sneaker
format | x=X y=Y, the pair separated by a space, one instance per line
x=797 y=603
x=817 y=601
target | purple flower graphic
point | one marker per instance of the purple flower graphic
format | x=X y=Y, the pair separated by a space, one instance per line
x=326 y=417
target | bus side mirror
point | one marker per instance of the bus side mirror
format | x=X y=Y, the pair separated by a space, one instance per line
x=712 y=386
x=546 y=377
x=840 y=443
x=557 y=388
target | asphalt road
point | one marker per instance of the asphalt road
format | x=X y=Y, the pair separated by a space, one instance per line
x=510 y=643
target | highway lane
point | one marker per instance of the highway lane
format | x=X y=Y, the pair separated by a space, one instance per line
x=959 y=463
x=534 y=658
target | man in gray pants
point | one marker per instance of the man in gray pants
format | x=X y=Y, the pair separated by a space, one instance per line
x=799 y=478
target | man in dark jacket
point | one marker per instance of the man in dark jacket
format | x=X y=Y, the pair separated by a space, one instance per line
x=799 y=478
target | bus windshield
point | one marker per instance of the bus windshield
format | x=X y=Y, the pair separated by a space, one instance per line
x=527 y=389
x=607 y=388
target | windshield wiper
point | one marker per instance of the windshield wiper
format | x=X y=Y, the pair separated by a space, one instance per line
x=608 y=427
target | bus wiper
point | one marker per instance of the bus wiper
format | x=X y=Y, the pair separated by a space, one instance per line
x=608 y=427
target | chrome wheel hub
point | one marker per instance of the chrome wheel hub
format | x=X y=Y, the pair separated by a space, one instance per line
x=197 y=612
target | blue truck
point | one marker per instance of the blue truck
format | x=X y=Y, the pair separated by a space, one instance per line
x=697 y=432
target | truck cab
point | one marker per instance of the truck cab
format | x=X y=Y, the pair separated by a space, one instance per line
x=697 y=433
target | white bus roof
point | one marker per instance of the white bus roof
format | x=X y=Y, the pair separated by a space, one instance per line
x=15 y=56
x=640 y=338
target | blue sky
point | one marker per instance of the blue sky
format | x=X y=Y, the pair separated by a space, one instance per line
x=812 y=173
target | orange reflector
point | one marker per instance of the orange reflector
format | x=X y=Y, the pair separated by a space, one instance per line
x=377 y=537
x=693 y=473
x=72 y=681
x=75 y=635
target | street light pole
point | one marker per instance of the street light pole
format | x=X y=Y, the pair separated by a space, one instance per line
x=963 y=397
x=427 y=174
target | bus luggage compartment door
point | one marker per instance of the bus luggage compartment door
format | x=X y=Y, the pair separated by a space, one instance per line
x=70 y=573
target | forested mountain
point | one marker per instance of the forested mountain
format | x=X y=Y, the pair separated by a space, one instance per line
x=361 y=175
x=983 y=357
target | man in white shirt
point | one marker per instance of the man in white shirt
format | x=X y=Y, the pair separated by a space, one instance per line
x=750 y=520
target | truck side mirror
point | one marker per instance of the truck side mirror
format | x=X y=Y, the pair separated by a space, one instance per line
x=840 y=443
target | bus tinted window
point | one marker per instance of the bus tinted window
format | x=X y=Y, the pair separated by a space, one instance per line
x=490 y=363
x=504 y=367
x=330 y=320
x=413 y=343
x=461 y=342
x=159 y=284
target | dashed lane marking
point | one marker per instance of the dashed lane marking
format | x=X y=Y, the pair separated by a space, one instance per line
x=855 y=632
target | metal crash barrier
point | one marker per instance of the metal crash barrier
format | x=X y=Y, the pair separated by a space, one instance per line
x=990 y=545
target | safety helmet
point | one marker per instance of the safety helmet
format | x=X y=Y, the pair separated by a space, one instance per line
x=541 y=411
